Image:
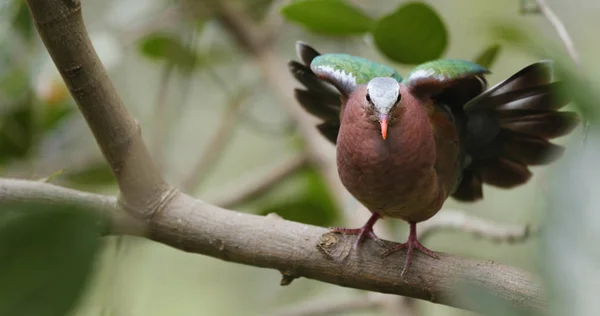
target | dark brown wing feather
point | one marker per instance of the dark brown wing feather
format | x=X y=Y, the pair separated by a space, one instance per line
x=318 y=97
x=508 y=128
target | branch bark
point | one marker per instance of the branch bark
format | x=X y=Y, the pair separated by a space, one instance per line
x=295 y=249
x=60 y=25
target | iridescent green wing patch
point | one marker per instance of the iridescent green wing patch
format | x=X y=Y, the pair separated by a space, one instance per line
x=433 y=77
x=345 y=72
x=443 y=70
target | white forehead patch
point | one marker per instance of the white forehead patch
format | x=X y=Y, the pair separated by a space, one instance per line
x=384 y=93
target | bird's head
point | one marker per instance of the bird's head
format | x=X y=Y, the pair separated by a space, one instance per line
x=382 y=94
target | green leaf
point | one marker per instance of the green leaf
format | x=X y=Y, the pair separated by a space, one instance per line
x=165 y=47
x=309 y=203
x=16 y=131
x=412 y=34
x=329 y=17
x=46 y=256
x=22 y=20
x=55 y=113
x=14 y=82
x=488 y=56
x=161 y=46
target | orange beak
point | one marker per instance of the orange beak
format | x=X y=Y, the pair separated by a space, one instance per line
x=383 y=121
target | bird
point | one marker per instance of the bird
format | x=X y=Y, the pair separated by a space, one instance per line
x=404 y=145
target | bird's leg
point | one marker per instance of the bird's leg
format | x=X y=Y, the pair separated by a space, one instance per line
x=365 y=231
x=410 y=245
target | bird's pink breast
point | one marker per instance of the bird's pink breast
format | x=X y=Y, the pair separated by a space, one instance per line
x=395 y=176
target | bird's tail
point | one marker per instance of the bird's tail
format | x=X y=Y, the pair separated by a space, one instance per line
x=508 y=129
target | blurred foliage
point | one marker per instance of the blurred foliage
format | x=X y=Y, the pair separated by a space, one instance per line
x=412 y=34
x=479 y=299
x=22 y=21
x=26 y=117
x=488 y=56
x=93 y=175
x=46 y=256
x=570 y=255
x=165 y=47
x=16 y=131
x=46 y=253
x=330 y=17
x=309 y=202
x=575 y=82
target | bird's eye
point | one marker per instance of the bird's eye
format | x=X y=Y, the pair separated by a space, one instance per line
x=369 y=98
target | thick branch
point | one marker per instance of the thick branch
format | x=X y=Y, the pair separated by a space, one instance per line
x=298 y=250
x=60 y=25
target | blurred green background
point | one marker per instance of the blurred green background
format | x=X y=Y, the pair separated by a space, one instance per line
x=140 y=277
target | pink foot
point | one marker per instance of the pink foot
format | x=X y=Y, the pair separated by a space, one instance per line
x=363 y=232
x=410 y=245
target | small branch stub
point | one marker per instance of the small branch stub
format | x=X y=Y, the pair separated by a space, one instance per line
x=287 y=277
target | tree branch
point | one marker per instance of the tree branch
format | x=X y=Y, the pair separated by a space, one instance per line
x=457 y=220
x=217 y=143
x=321 y=153
x=296 y=249
x=160 y=116
x=560 y=28
x=259 y=183
x=60 y=25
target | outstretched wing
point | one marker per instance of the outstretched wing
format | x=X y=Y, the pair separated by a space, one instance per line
x=503 y=130
x=508 y=129
x=329 y=77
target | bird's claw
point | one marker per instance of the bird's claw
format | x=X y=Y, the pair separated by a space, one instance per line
x=410 y=245
x=363 y=232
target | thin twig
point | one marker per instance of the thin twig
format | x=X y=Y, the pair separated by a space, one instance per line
x=273 y=22
x=161 y=119
x=258 y=182
x=60 y=25
x=560 y=28
x=166 y=18
x=321 y=153
x=565 y=38
x=460 y=221
x=217 y=143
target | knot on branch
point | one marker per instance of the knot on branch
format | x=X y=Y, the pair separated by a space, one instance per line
x=335 y=246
